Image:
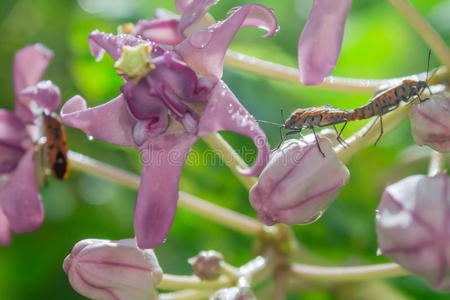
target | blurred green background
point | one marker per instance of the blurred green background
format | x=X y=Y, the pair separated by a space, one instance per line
x=378 y=43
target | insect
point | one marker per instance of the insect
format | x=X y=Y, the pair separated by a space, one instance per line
x=51 y=148
x=309 y=118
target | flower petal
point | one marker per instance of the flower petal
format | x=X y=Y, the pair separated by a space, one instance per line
x=5 y=234
x=12 y=129
x=99 y=42
x=224 y=112
x=180 y=5
x=20 y=197
x=158 y=192
x=193 y=12
x=205 y=49
x=30 y=64
x=159 y=31
x=110 y=122
x=9 y=157
x=321 y=39
x=45 y=93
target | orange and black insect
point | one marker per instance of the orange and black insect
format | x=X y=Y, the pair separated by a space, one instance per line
x=52 y=147
x=309 y=118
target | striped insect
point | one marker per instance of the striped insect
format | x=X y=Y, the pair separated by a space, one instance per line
x=51 y=148
x=311 y=117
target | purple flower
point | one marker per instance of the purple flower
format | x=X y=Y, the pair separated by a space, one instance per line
x=21 y=209
x=430 y=122
x=113 y=270
x=298 y=183
x=171 y=97
x=413 y=222
x=320 y=42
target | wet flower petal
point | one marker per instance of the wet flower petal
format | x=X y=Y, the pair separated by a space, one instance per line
x=225 y=112
x=12 y=130
x=320 y=42
x=5 y=234
x=430 y=122
x=99 y=42
x=44 y=93
x=113 y=270
x=298 y=183
x=413 y=219
x=163 y=159
x=193 y=12
x=110 y=122
x=205 y=50
x=23 y=209
x=159 y=31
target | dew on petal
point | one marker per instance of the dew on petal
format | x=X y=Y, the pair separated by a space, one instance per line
x=379 y=252
x=313 y=218
x=90 y=137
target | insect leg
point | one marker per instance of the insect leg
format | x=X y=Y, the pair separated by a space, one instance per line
x=371 y=125
x=317 y=141
x=381 y=130
x=339 y=138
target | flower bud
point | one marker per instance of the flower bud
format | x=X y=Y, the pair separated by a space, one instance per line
x=298 y=183
x=413 y=221
x=113 y=270
x=234 y=293
x=207 y=264
x=430 y=122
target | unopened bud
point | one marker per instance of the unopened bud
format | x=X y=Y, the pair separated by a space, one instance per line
x=413 y=221
x=298 y=183
x=430 y=122
x=113 y=270
x=207 y=264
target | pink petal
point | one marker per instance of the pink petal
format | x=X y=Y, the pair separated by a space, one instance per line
x=110 y=122
x=224 y=112
x=158 y=192
x=321 y=39
x=205 y=50
x=99 y=42
x=180 y=5
x=193 y=12
x=30 y=64
x=45 y=93
x=20 y=197
x=5 y=234
x=159 y=31
x=9 y=157
x=12 y=129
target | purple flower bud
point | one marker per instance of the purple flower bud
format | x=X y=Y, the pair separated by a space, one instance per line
x=113 y=270
x=234 y=293
x=430 y=122
x=413 y=222
x=207 y=264
x=298 y=183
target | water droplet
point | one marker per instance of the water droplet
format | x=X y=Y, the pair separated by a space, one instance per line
x=379 y=252
x=201 y=39
x=90 y=137
x=313 y=218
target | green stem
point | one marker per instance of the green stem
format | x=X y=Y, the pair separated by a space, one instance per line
x=208 y=210
x=229 y=157
x=420 y=24
x=186 y=295
x=343 y=274
x=179 y=282
x=258 y=66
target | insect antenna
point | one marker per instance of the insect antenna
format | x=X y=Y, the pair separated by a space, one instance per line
x=270 y=123
x=428 y=69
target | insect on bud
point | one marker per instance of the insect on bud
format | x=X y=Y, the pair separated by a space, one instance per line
x=413 y=226
x=113 y=270
x=430 y=122
x=207 y=264
x=234 y=293
x=298 y=183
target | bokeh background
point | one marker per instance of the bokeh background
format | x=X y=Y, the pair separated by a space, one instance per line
x=378 y=43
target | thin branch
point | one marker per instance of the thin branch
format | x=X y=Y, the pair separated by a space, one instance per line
x=229 y=157
x=258 y=66
x=210 y=211
x=425 y=30
x=342 y=274
x=437 y=163
x=179 y=282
